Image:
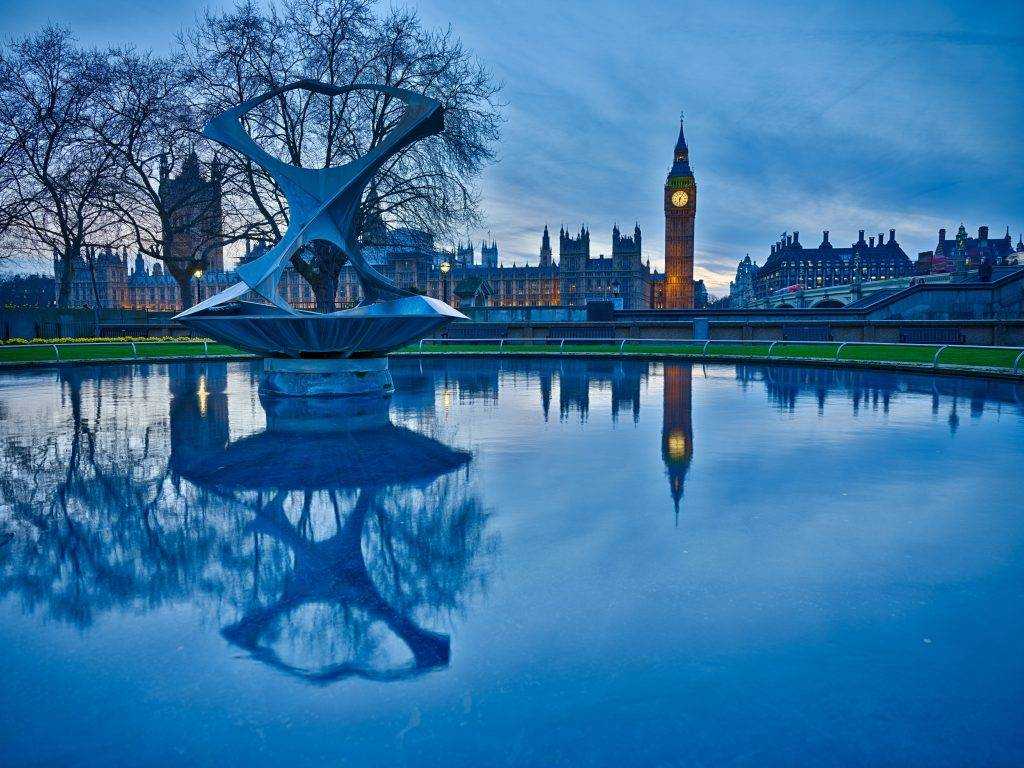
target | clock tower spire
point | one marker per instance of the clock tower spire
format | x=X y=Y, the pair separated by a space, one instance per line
x=680 y=211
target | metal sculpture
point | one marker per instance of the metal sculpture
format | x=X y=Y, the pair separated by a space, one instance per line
x=322 y=204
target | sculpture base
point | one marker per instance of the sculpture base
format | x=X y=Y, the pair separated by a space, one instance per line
x=326 y=377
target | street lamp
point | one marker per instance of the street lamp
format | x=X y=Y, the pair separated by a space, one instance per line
x=198 y=275
x=446 y=267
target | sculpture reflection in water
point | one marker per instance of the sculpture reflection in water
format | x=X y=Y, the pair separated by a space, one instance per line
x=363 y=559
x=329 y=567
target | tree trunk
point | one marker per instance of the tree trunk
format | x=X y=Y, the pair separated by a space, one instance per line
x=95 y=299
x=322 y=272
x=186 y=290
x=67 y=273
x=326 y=292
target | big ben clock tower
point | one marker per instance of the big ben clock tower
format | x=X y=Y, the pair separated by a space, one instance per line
x=680 y=210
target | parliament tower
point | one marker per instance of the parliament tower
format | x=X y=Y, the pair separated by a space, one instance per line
x=680 y=210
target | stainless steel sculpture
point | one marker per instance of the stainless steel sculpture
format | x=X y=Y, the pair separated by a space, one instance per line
x=322 y=205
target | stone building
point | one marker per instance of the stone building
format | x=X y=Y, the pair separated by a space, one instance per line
x=573 y=280
x=790 y=264
x=964 y=253
x=194 y=205
x=657 y=290
x=623 y=278
x=741 y=289
x=100 y=277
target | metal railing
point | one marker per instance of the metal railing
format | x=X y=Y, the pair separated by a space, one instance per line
x=620 y=347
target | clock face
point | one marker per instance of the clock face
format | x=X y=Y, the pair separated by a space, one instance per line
x=680 y=198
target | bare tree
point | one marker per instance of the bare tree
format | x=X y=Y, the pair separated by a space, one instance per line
x=145 y=117
x=60 y=175
x=246 y=51
x=10 y=199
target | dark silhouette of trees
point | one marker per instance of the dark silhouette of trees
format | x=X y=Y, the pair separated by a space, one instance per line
x=56 y=174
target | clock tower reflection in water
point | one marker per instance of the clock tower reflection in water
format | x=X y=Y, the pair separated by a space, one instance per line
x=677 y=427
x=680 y=211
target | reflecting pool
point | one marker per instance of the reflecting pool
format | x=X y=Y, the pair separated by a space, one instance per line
x=512 y=562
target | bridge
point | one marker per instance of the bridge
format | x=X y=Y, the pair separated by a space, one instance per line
x=851 y=295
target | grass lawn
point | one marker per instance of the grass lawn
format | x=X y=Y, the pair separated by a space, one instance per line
x=986 y=356
x=881 y=353
x=899 y=353
x=19 y=353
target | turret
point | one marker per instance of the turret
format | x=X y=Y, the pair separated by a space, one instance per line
x=681 y=155
x=545 y=248
x=681 y=152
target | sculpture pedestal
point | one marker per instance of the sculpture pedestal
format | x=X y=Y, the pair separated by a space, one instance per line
x=326 y=377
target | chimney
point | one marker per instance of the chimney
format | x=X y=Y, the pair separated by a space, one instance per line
x=892 y=236
x=881 y=239
x=983 y=233
x=860 y=238
x=942 y=234
x=824 y=237
x=796 y=237
x=871 y=242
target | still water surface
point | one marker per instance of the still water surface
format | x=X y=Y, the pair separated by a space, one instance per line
x=512 y=563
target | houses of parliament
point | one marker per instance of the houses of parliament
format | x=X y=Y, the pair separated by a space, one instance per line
x=462 y=276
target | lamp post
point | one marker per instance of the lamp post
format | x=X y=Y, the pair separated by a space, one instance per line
x=446 y=267
x=198 y=275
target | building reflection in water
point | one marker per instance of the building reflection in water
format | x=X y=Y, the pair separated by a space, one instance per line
x=877 y=390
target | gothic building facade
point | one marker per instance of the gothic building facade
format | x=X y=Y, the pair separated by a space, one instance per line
x=574 y=279
x=194 y=205
x=623 y=278
x=99 y=279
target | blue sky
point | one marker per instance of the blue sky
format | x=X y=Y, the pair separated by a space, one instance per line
x=800 y=116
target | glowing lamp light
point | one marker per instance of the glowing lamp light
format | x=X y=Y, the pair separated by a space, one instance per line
x=445 y=267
